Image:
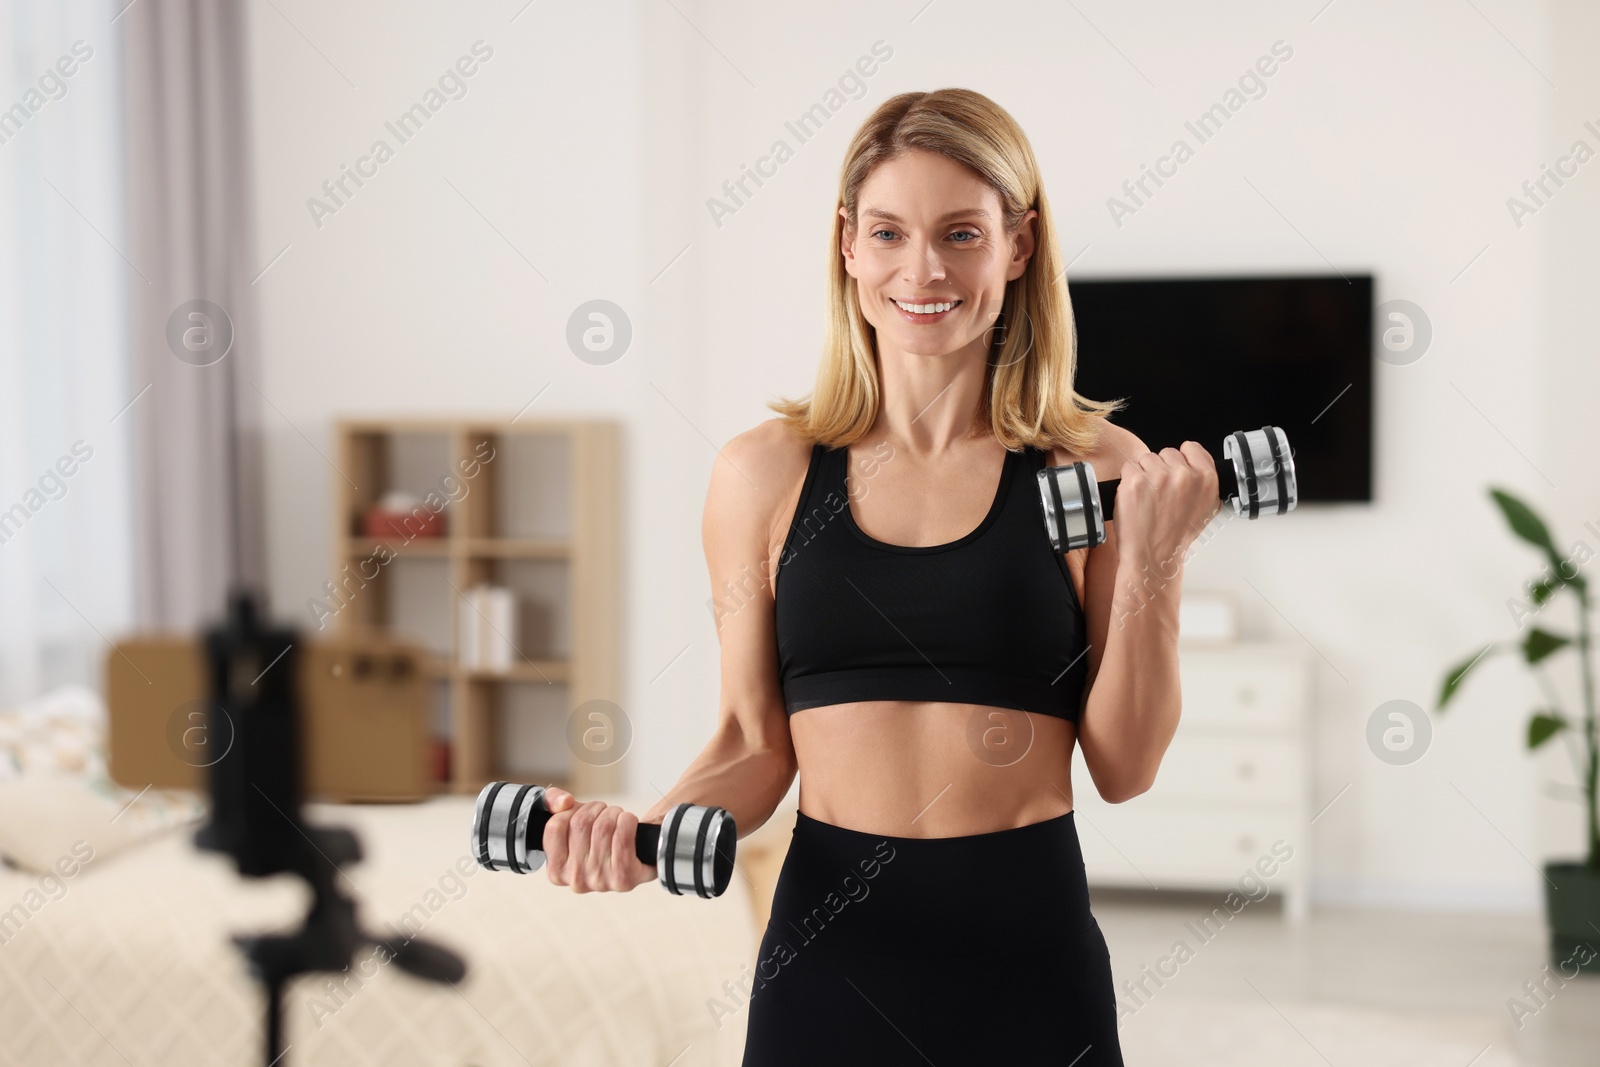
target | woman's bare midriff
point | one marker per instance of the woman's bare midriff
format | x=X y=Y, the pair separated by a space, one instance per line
x=924 y=769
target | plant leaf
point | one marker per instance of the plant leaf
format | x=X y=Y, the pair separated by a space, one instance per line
x=1543 y=726
x=1540 y=591
x=1524 y=523
x=1577 y=581
x=1458 y=674
x=1540 y=643
x=1544 y=589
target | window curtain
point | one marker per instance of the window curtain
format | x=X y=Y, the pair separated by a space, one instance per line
x=193 y=316
x=127 y=501
x=66 y=461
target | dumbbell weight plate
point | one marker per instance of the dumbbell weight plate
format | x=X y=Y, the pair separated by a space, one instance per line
x=1261 y=468
x=1074 y=507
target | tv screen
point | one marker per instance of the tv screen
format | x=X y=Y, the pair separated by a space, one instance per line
x=1197 y=358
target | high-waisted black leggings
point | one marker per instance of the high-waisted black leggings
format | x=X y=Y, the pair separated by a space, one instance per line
x=887 y=950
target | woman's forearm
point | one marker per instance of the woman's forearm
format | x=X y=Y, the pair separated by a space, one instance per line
x=1132 y=710
x=733 y=772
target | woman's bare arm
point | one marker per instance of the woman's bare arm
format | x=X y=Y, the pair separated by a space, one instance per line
x=1131 y=712
x=749 y=764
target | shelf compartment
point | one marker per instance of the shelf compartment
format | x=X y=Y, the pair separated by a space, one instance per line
x=362 y=547
x=534 y=505
x=553 y=671
x=518 y=548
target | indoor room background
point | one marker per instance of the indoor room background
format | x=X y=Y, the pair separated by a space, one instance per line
x=624 y=155
x=1389 y=143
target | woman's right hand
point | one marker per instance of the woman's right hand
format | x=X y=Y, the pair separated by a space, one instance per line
x=590 y=846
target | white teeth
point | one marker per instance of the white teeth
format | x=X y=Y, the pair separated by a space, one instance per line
x=925 y=309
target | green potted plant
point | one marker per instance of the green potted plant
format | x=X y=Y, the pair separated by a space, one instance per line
x=1572 y=889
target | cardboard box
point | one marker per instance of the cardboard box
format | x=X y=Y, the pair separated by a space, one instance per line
x=364 y=713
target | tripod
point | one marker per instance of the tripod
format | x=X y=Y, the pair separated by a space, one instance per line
x=255 y=816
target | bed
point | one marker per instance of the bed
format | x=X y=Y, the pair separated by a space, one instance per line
x=128 y=959
x=132 y=963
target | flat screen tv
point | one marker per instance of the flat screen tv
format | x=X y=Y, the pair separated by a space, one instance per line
x=1197 y=358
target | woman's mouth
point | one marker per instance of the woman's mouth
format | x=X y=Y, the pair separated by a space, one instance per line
x=923 y=312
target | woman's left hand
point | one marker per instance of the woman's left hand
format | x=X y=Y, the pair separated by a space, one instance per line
x=1165 y=500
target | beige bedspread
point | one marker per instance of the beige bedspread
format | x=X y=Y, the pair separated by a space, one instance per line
x=132 y=964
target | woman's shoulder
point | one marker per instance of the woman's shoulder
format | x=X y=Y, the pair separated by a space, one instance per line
x=770 y=447
x=756 y=480
x=764 y=462
x=1115 y=446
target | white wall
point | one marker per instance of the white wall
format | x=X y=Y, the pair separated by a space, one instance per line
x=1388 y=143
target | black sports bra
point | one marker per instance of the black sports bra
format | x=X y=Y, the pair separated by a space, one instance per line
x=991 y=618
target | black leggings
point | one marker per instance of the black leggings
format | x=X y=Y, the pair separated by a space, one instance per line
x=887 y=950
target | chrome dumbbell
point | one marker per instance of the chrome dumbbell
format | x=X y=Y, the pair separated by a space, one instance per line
x=1255 y=478
x=692 y=849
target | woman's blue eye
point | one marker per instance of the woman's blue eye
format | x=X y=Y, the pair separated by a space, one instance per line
x=958 y=233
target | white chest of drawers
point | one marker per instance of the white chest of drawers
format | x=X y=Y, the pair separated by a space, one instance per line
x=1230 y=807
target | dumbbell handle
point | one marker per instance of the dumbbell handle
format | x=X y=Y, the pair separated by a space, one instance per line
x=692 y=849
x=1227 y=489
x=646 y=842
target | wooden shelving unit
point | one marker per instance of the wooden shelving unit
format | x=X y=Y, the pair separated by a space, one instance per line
x=547 y=496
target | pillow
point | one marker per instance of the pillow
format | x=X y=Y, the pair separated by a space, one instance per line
x=45 y=818
x=60 y=732
x=55 y=790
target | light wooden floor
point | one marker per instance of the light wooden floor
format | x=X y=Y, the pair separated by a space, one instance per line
x=1352 y=987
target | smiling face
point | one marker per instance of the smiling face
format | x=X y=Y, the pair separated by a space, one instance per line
x=930 y=254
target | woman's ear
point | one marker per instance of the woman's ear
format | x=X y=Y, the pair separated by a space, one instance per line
x=847 y=243
x=1023 y=244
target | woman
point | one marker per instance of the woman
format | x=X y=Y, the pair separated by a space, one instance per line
x=919 y=653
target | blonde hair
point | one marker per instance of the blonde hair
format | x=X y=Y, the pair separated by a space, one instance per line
x=1028 y=393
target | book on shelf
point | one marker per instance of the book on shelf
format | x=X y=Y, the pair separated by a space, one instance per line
x=487 y=641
